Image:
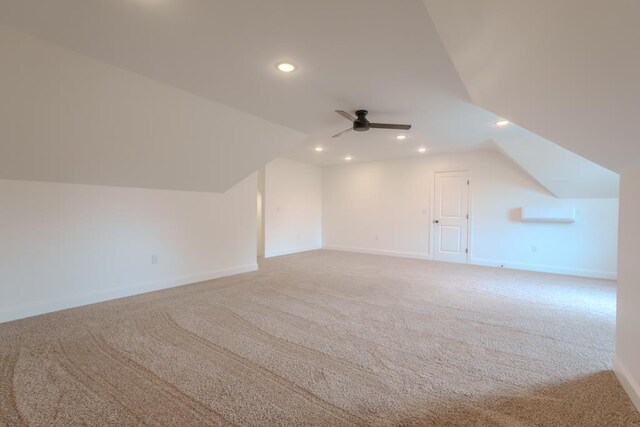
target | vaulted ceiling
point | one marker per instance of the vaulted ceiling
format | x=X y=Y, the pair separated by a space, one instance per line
x=565 y=174
x=566 y=70
x=65 y=117
x=382 y=55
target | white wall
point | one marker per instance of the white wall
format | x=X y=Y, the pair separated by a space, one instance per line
x=627 y=357
x=293 y=207
x=71 y=119
x=260 y=218
x=385 y=207
x=64 y=245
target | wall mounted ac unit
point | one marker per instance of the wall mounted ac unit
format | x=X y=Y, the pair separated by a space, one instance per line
x=560 y=215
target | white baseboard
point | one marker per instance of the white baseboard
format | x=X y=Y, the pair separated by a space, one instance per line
x=628 y=382
x=609 y=275
x=413 y=255
x=596 y=274
x=63 y=303
x=271 y=254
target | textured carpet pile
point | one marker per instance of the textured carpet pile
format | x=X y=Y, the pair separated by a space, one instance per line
x=326 y=338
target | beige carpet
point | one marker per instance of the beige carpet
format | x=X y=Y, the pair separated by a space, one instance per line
x=326 y=338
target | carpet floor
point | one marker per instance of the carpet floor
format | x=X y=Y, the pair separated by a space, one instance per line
x=326 y=338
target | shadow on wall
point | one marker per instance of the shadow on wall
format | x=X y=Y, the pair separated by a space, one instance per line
x=593 y=400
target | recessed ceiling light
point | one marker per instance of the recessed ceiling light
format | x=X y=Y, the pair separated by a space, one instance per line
x=348 y=158
x=422 y=150
x=285 y=67
x=401 y=137
x=319 y=149
x=502 y=123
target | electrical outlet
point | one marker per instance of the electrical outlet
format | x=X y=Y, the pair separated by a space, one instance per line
x=154 y=259
x=377 y=238
x=534 y=249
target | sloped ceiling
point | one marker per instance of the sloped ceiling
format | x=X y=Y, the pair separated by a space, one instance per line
x=381 y=55
x=65 y=117
x=566 y=70
x=185 y=94
x=565 y=174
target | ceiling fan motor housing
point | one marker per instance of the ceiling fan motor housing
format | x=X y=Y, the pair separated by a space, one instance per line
x=361 y=123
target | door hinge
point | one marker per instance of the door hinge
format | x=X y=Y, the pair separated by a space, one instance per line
x=466 y=251
x=467 y=182
x=467 y=216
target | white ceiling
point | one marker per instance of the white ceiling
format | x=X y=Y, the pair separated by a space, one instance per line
x=381 y=55
x=565 y=174
x=65 y=117
x=519 y=59
x=567 y=70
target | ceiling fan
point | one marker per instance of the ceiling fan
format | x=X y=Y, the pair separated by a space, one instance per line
x=361 y=124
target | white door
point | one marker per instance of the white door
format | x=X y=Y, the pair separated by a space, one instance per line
x=451 y=216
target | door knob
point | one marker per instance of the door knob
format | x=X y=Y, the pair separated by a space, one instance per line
x=436 y=221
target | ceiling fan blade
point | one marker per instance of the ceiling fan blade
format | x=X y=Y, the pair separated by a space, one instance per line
x=340 y=134
x=346 y=115
x=388 y=126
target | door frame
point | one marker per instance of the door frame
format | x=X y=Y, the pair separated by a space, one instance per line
x=432 y=212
